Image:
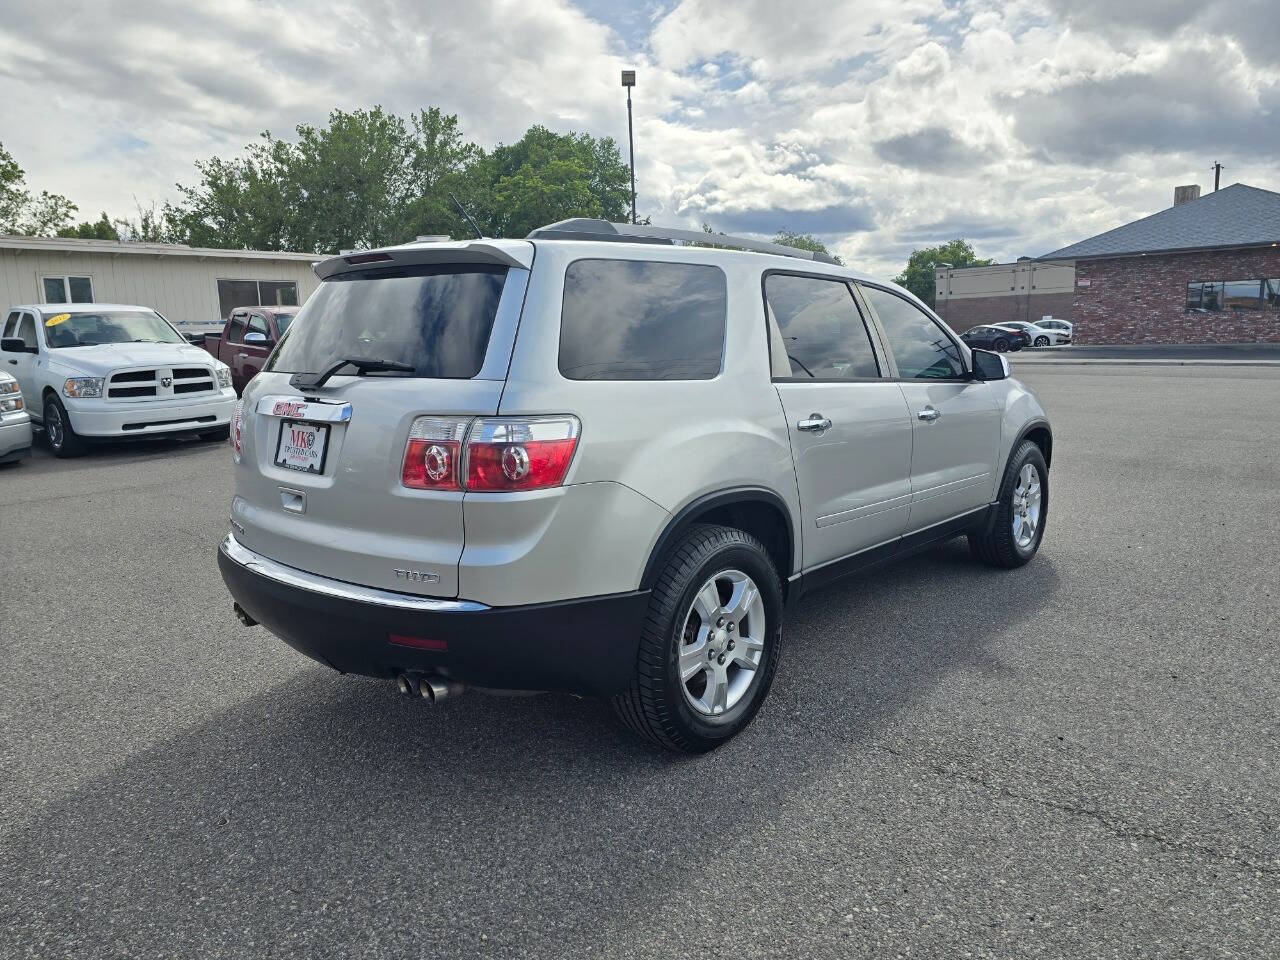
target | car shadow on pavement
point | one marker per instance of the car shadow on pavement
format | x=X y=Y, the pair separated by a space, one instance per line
x=124 y=451
x=330 y=816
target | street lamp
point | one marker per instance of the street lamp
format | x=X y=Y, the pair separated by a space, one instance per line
x=629 y=81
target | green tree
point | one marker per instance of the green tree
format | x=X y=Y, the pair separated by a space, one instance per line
x=22 y=213
x=100 y=229
x=544 y=177
x=804 y=241
x=919 y=277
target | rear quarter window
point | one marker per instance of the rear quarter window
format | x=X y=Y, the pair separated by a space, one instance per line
x=642 y=320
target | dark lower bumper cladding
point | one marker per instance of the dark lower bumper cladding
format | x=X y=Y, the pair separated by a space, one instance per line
x=579 y=646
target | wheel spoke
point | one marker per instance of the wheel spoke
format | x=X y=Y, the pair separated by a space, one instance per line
x=707 y=602
x=717 y=691
x=741 y=600
x=742 y=653
x=693 y=659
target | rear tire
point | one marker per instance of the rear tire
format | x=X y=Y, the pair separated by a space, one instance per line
x=221 y=433
x=62 y=437
x=677 y=700
x=1002 y=345
x=1006 y=543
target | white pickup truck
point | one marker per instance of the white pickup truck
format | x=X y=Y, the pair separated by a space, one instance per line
x=94 y=371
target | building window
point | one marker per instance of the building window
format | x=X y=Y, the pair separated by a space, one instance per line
x=67 y=289
x=255 y=293
x=1213 y=296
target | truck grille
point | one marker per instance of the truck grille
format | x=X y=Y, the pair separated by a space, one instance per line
x=150 y=384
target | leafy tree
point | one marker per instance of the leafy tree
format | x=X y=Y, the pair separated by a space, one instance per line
x=148 y=226
x=544 y=177
x=22 y=213
x=919 y=278
x=803 y=241
x=100 y=229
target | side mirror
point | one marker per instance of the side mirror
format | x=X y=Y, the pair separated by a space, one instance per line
x=255 y=337
x=16 y=345
x=989 y=366
x=195 y=339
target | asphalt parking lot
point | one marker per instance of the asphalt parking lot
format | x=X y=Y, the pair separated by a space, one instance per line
x=1078 y=758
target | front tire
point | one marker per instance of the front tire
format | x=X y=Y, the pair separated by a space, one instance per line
x=1014 y=536
x=62 y=437
x=710 y=644
x=1042 y=341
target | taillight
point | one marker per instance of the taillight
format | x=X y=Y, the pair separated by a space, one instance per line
x=237 y=443
x=433 y=454
x=520 y=453
x=489 y=454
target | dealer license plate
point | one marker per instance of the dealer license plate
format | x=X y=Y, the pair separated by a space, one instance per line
x=302 y=446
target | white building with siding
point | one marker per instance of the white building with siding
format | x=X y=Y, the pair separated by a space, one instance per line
x=189 y=285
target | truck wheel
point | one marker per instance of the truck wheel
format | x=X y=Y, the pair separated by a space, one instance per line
x=710 y=642
x=221 y=433
x=62 y=437
x=1014 y=536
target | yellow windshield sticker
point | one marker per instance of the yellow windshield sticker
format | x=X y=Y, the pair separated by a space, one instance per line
x=55 y=320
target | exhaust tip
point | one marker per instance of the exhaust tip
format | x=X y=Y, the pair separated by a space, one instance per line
x=432 y=689
x=243 y=616
x=407 y=685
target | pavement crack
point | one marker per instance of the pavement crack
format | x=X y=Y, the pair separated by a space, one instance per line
x=1115 y=824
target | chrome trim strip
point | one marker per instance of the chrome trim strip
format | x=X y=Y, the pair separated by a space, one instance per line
x=301 y=408
x=293 y=577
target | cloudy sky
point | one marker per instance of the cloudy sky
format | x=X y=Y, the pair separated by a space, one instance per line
x=880 y=125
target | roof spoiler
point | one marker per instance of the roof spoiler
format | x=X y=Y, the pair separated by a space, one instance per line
x=413 y=254
x=587 y=228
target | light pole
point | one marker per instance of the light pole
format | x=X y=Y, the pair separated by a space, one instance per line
x=629 y=81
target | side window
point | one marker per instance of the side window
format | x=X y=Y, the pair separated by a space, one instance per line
x=821 y=332
x=920 y=347
x=258 y=324
x=10 y=324
x=235 y=330
x=27 y=330
x=642 y=320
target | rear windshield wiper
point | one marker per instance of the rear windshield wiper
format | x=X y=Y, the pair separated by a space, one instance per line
x=363 y=365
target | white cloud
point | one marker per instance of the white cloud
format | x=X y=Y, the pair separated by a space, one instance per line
x=880 y=124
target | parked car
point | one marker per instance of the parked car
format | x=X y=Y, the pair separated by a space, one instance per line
x=1039 y=336
x=96 y=371
x=247 y=339
x=1063 y=327
x=15 y=425
x=999 y=338
x=581 y=462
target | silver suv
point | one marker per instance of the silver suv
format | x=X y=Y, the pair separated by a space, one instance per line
x=602 y=461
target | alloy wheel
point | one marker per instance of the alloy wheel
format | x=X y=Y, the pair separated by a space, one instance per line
x=722 y=642
x=53 y=425
x=1026 y=506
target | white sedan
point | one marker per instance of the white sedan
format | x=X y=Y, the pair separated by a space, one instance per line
x=1040 y=336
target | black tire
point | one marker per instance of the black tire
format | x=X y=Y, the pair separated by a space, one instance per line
x=1042 y=341
x=996 y=544
x=1002 y=345
x=220 y=433
x=62 y=437
x=655 y=705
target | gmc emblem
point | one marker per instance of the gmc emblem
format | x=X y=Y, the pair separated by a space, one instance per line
x=289 y=408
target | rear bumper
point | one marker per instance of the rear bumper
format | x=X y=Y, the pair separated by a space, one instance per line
x=584 y=646
x=101 y=418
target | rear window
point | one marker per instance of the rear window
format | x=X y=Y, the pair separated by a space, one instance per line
x=435 y=318
x=642 y=320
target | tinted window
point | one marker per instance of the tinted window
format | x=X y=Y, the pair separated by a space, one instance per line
x=919 y=346
x=639 y=320
x=437 y=319
x=258 y=324
x=821 y=329
x=26 y=331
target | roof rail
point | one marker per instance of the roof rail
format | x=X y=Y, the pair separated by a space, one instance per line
x=587 y=228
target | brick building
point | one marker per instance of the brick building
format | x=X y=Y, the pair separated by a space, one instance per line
x=1206 y=270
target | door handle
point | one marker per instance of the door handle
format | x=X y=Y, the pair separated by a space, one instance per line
x=815 y=424
x=14 y=362
x=929 y=414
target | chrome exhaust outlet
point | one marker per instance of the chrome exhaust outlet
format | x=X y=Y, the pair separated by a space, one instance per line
x=407 y=685
x=243 y=616
x=431 y=689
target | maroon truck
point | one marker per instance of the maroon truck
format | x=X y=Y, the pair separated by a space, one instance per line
x=247 y=340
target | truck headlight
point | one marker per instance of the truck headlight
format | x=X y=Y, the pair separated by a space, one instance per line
x=83 y=387
x=10 y=404
x=9 y=386
x=223 y=373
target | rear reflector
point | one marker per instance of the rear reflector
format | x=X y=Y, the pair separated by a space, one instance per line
x=418 y=643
